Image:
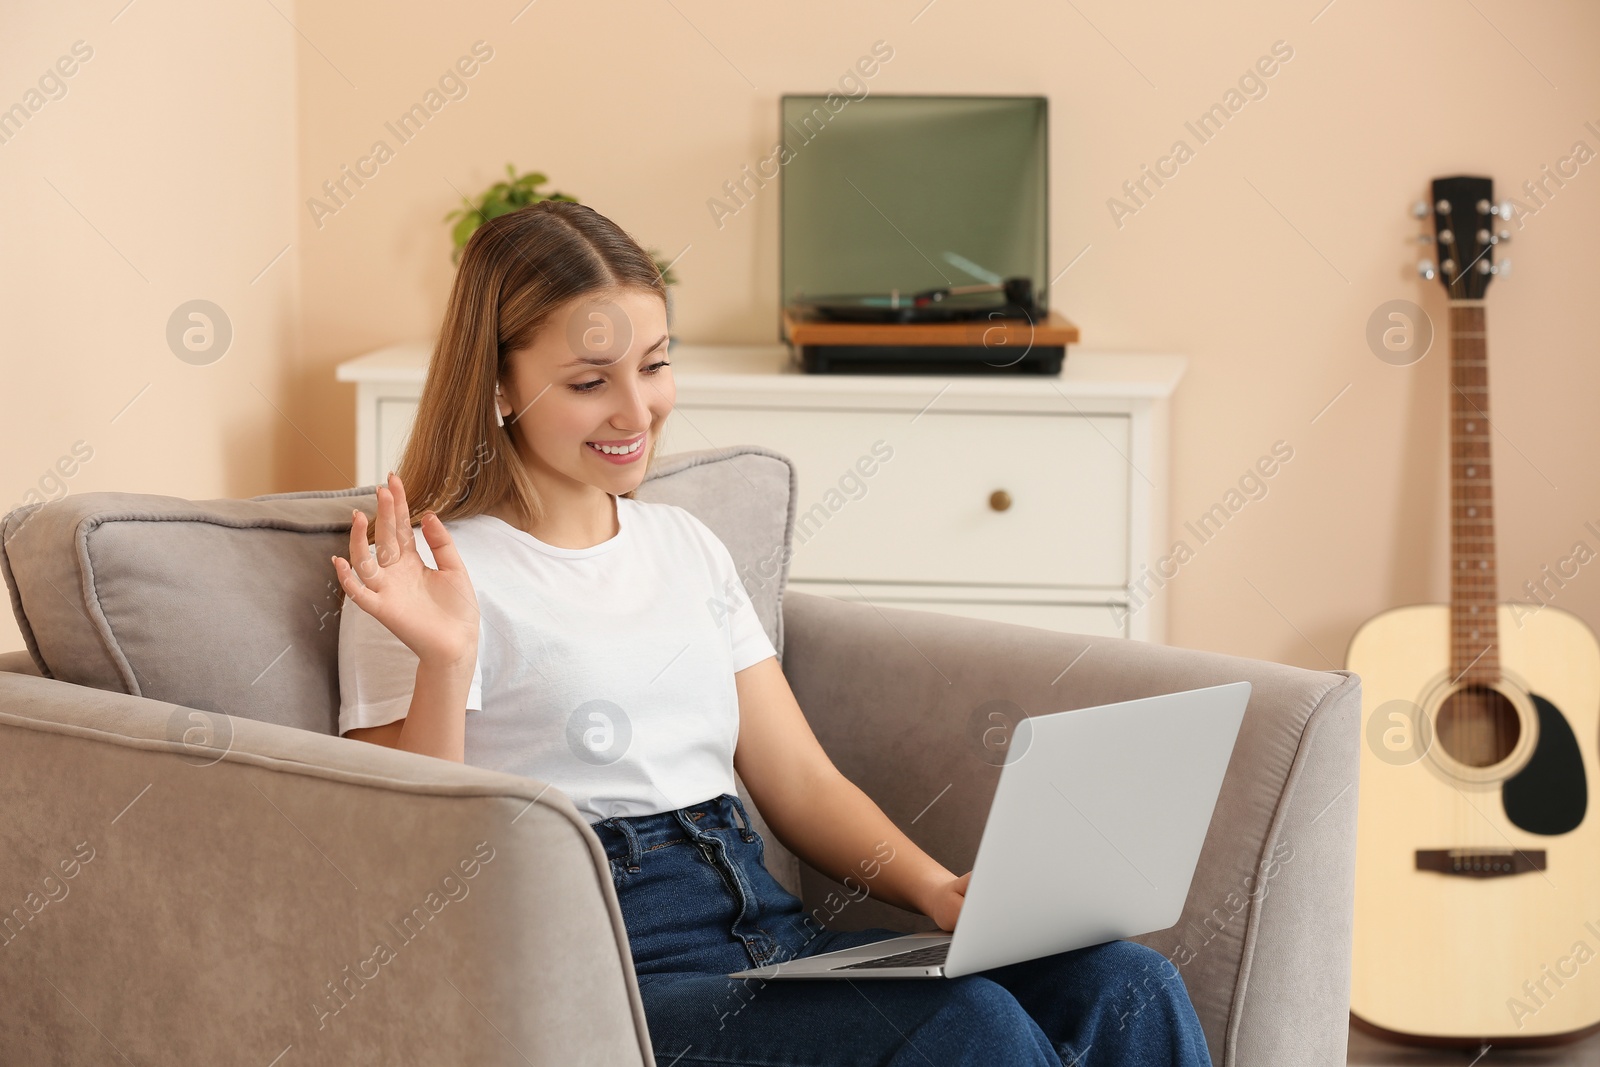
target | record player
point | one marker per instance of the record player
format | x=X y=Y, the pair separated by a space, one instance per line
x=992 y=328
x=917 y=191
x=1010 y=299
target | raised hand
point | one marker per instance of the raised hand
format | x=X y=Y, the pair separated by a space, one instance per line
x=433 y=612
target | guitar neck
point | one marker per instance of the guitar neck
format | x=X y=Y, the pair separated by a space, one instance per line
x=1474 y=636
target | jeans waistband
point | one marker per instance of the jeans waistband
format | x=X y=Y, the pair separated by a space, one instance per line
x=628 y=837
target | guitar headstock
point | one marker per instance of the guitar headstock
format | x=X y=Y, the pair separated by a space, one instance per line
x=1464 y=217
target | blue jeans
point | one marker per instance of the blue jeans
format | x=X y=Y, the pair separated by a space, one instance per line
x=699 y=904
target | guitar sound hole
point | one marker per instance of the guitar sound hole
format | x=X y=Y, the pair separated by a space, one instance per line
x=1478 y=726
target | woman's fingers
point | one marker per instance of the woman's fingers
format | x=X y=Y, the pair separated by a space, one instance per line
x=445 y=555
x=402 y=517
x=351 y=584
x=384 y=542
x=347 y=577
x=361 y=562
x=358 y=536
x=361 y=567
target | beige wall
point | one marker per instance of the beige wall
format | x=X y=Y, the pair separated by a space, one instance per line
x=162 y=171
x=1262 y=259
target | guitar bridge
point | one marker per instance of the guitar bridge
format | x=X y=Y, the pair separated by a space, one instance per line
x=1480 y=862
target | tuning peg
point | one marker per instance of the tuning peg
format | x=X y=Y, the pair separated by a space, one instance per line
x=1425 y=268
x=1424 y=238
x=1485 y=267
x=1446 y=237
x=1503 y=237
x=1448 y=266
x=1420 y=209
x=1502 y=209
x=1502 y=268
x=1442 y=207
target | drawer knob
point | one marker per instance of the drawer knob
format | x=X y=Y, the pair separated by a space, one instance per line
x=1000 y=500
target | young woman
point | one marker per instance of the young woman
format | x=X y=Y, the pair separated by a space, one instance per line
x=518 y=609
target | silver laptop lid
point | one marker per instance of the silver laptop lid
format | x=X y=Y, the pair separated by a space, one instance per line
x=1096 y=825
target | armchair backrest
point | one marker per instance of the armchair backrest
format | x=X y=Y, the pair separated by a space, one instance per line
x=231 y=605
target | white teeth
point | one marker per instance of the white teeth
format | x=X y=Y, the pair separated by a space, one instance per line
x=617 y=450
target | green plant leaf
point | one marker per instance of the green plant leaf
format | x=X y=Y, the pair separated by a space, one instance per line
x=501 y=198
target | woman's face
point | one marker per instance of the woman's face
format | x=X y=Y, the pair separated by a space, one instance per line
x=596 y=375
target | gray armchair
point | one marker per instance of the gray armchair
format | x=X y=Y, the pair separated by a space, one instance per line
x=195 y=868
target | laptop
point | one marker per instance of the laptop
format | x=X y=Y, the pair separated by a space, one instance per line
x=1093 y=835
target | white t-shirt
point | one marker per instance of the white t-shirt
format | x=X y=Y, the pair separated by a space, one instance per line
x=606 y=671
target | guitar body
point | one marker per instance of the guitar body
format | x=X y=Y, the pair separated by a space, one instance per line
x=1442 y=957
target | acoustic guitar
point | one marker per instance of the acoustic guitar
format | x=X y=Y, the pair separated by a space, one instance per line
x=1477 y=898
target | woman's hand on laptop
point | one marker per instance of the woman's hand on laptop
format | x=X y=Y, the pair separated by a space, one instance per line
x=944 y=904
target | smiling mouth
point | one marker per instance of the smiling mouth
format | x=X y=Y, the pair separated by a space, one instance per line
x=625 y=448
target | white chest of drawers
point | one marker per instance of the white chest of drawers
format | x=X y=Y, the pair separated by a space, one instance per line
x=1025 y=499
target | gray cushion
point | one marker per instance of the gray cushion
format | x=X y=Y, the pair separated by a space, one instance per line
x=232 y=605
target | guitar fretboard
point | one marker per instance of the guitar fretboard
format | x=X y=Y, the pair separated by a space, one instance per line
x=1474 y=635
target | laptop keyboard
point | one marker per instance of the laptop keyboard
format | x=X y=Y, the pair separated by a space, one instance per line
x=917 y=957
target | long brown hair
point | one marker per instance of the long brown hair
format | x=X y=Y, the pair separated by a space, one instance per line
x=515 y=270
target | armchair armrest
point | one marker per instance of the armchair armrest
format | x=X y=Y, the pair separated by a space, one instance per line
x=188 y=887
x=18 y=663
x=894 y=697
